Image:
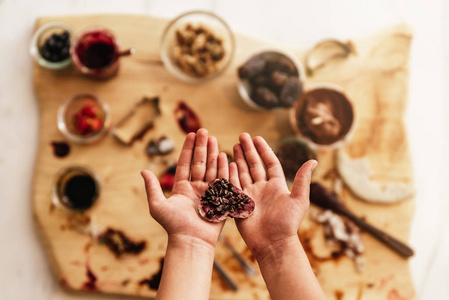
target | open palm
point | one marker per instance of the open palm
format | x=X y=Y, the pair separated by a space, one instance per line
x=199 y=164
x=278 y=211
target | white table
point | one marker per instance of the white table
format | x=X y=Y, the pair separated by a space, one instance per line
x=24 y=271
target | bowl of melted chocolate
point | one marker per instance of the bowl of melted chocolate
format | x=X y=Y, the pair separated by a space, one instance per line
x=76 y=189
x=324 y=116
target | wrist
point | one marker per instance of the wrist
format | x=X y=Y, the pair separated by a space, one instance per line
x=276 y=252
x=190 y=244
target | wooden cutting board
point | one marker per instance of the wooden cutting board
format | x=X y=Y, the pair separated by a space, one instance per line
x=375 y=80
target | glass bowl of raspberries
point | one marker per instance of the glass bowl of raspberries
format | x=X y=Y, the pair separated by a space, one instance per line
x=84 y=118
x=50 y=45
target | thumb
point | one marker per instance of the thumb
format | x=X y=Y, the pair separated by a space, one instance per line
x=301 y=184
x=153 y=188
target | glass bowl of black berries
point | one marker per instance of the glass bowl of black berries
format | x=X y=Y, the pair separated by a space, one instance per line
x=270 y=78
x=50 y=45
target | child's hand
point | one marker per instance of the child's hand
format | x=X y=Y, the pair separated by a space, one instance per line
x=199 y=164
x=278 y=212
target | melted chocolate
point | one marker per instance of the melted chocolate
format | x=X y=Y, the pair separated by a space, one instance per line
x=153 y=282
x=339 y=105
x=60 y=149
x=80 y=192
x=120 y=244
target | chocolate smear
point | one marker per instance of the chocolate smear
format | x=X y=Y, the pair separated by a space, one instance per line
x=155 y=280
x=120 y=244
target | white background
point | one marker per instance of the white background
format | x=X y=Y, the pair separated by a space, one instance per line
x=24 y=271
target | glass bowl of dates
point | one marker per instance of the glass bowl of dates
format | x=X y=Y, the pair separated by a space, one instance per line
x=197 y=46
x=324 y=116
x=271 y=78
x=293 y=152
x=50 y=45
x=84 y=118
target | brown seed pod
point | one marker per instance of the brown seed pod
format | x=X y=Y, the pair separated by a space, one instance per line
x=223 y=199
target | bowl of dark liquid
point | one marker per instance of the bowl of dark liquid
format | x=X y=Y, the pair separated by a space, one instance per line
x=96 y=53
x=76 y=189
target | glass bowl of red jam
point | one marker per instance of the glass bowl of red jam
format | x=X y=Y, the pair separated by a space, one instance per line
x=76 y=189
x=50 y=45
x=96 y=53
x=84 y=118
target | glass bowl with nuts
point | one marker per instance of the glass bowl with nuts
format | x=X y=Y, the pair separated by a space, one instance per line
x=197 y=46
x=270 y=78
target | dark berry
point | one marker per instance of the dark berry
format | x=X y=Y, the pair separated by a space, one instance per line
x=56 y=47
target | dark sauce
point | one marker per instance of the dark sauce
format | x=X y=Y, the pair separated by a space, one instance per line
x=60 y=149
x=80 y=192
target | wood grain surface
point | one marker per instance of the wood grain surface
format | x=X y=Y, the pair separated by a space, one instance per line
x=375 y=79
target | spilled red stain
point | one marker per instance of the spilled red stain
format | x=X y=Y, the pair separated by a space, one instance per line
x=187 y=118
x=63 y=283
x=394 y=295
x=384 y=281
x=91 y=283
x=144 y=261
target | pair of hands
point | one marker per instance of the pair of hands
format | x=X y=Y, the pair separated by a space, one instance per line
x=256 y=170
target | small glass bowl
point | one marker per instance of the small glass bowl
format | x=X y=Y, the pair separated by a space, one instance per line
x=196 y=18
x=91 y=36
x=244 y=86
x=39 y=38
x=349 y=114
x=80 y=180
x=70 y=113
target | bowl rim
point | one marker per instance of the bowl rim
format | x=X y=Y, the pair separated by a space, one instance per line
x=55 y=197
x=75 y=58
x=340 y=142
x=171 y=67
x=34 y=48
x=62 y=122
x=243 y=92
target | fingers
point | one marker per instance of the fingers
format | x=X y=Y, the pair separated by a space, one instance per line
x=185 y=158
x=212 y=164
x=301 y=184
x=234 y=175
x=256 y=168
x=198 y=170
x=223 y=166
x=153 y=188
x=269 y=158
x=242 y=166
